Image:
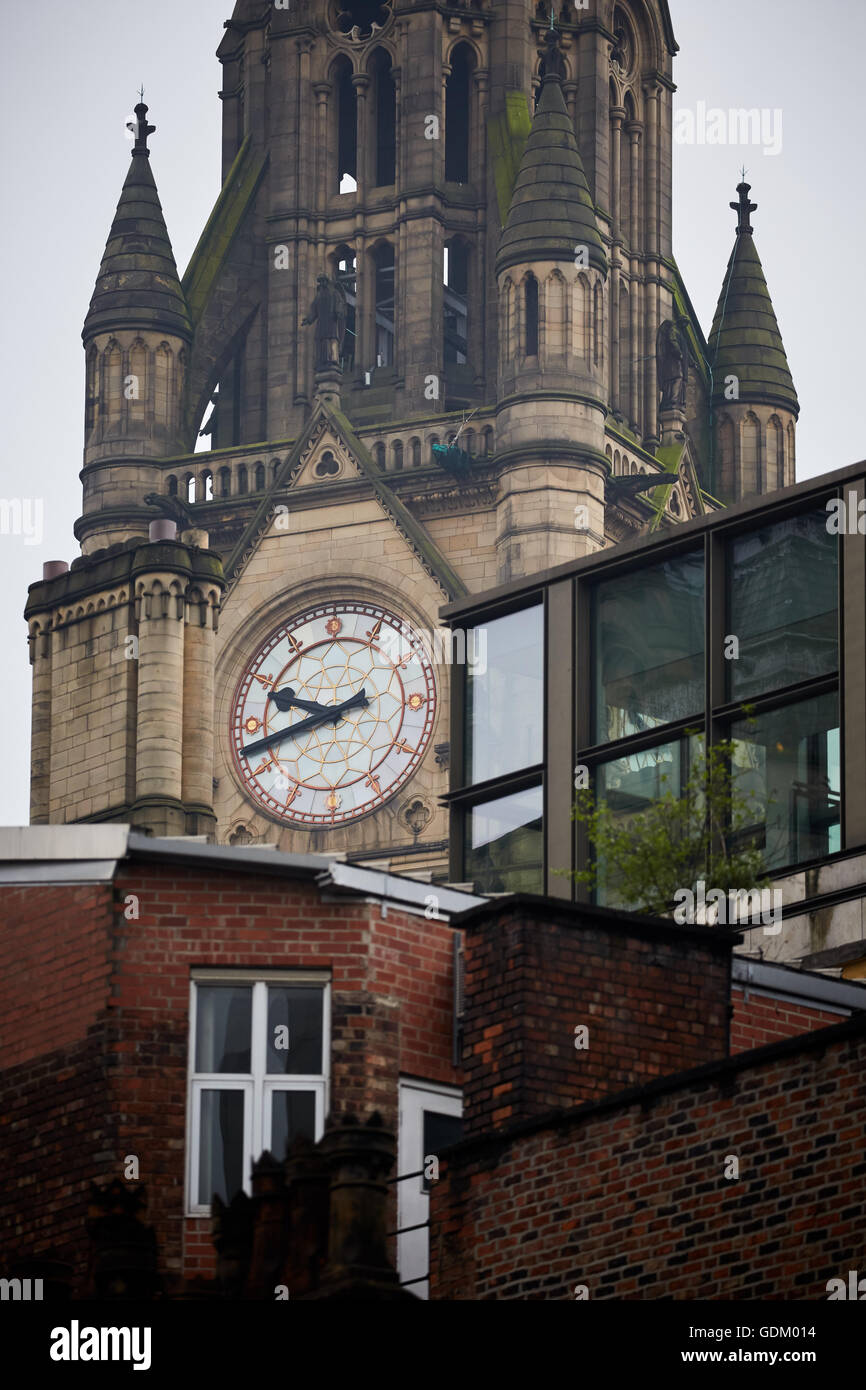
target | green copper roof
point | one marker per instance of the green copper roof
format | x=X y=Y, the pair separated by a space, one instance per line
x=137 y=285
x=551 y=209
x=745 y=341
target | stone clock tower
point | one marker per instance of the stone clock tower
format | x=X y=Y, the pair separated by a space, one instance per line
x=432 y=338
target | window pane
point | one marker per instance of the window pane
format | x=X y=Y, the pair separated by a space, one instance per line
x=221 y=1145
x=629 y=786
x=292 y=1113
x=223 y=1026
x=648 y=647
x=505 y=695
x=783 y=599
x=294 y=1031
x=790 y=767
x=439 y=1131
x=505 y=850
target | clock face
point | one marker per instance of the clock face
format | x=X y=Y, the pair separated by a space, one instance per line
x=333 y=714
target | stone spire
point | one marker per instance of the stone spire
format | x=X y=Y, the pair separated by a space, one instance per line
x=745 y=341
x=138 y=286
x=551 y=210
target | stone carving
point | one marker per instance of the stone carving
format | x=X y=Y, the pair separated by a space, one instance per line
x=672 y=359
x=328 y=313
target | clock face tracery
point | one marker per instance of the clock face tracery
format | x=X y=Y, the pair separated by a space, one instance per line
x=333 y=714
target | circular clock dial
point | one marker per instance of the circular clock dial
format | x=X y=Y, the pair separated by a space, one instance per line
x=333 y=714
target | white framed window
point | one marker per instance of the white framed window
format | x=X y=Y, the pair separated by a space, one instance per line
x=259 y=1049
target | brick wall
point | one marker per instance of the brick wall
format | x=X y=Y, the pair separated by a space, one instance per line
x=654 y=998
x=628 y=1196
x=759 y=1019
x=117 y=1084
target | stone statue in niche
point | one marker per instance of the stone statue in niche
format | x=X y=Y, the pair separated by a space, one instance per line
x=672 y=360
x=328 y=313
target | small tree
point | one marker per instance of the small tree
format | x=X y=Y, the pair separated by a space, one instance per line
x=678 y=839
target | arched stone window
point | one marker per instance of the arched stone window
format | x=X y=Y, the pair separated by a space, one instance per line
x=458 y=114
x=383 y=261
x=384 y=119
x=488 y=440
x=162 y=384
x=206 y=485
x=624 y=349
x=397 y=455
x=581 y=336
x=379 y=454
x=597 y=319
x=726 y=461
x=91 y=409
x=775 y=454
x=225 y=482
x=346 y=100
x=327 y=467
x=260 y=477
x=135 y=387
x=113 y=381
x=456 y=293
x=345 y=269
x=469 y=441
x=242 y=478
x=617 y=462
x=189 y=486
x=792 y=452
x=555 y=317
x=530 y=316
x=172 y=485
x=751 y=470
x=415 y=451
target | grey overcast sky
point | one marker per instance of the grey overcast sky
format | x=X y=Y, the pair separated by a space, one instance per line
x=72 y=72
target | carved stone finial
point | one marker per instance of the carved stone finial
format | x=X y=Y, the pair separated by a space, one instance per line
x=744 y=209
x=141 y=128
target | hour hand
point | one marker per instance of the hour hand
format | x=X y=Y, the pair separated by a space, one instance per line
x=287 y=699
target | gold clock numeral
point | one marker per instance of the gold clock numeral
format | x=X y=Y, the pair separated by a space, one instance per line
x=374 y=783
x=294 y=643
x=403 y=747
x=375 y=632
x=293 y=795
x=266 y=681
x=263 y=767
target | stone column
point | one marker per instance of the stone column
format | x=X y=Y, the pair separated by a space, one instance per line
x=361 y=83
x=159 y=602
x=652 y=93
x=324 y=153
x=200 y=613
x=617 y=116
x=633 y=130
x=40 y=733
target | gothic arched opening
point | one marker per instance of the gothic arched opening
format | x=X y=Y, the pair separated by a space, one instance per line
x=457 y=114
x=346 y=268
x=384 y=119
x=383 y=260
x=456 y=315
x=530 y=301
x=361 y=15
x=347 y=126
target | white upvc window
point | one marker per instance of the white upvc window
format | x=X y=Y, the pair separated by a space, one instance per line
x=259 y=1048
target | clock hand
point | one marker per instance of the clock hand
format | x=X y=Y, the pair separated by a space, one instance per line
x=286 y=700
x=330 y=714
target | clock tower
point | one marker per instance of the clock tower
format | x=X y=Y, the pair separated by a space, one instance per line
x=432 y=338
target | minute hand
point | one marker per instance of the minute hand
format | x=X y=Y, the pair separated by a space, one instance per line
x=331 y=715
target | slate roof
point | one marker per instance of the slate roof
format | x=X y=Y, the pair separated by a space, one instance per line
x=745 y=340
x=551 y=209
x=138 y=285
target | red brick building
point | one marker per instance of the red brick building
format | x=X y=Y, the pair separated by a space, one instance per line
x=639 y=1159
x=172 y=1008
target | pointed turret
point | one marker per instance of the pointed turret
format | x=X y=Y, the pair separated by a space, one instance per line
x=136 y=336
x=551 y=211
x=551 y=272
x=754 y=399
x=138 y=285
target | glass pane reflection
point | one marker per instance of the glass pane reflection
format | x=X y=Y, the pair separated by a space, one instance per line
x=223 y=1027
x=505 y=695
x=505 y=853
x=783 y=604
x=648 y=647
x=221 y=1145
x=791 y=768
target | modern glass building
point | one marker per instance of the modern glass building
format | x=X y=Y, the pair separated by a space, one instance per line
x=748 y=625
